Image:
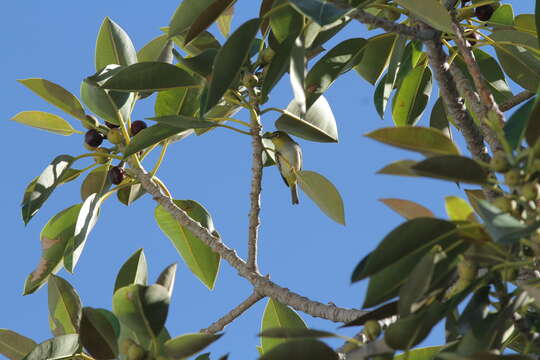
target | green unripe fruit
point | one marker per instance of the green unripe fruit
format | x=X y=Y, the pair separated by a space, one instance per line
x=267 y=55
x=391 y=15
x=115 y=136
x=372 y=329
x=505 y=204
x=530 y=191
x=250 y=80
x=135 y=352
x=499 y=162
x=512 y=177
x=90 y=122
x=101 y=159
x=125 y=345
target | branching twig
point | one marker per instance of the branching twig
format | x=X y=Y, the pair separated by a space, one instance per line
x=261 y=284
x=516 y=100
x=233 y=314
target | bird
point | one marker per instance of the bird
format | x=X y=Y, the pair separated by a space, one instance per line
x=288 y=158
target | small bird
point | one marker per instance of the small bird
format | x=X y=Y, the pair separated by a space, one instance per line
x=288 y=158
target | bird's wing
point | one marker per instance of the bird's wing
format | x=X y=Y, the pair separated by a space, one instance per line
x=278 y=162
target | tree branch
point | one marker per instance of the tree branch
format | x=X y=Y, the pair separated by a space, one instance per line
x=516 y=100
x=261 y=284
x=233 y=314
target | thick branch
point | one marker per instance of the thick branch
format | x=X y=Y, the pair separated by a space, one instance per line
x=516 y=100
x=261 y=284
x=233 y=314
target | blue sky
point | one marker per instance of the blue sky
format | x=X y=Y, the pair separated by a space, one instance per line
x=300 y=248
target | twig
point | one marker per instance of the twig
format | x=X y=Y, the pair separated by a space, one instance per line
x=233 y=314
x=256 y=180
x=516 y=100
x=260 y=283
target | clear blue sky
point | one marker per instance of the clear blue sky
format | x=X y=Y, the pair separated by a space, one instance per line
x=300 y=248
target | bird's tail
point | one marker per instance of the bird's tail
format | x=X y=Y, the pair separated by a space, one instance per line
x=294 y=194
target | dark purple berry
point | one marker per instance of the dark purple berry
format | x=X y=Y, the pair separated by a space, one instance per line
x=111 y=126
x=483 y=13
x=116 y=175
x=137 y=126
x=93 y=138
x=471 y=37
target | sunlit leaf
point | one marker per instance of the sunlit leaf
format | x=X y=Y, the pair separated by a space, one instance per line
x=99 y=333
x=45 y=121
x=113 y=46
x=408 y=209
x=324 y=194
x=277 y=315
x=65 y=309
x=133 y=271
x=64 y=346
x=189 y=344
x=15 y=346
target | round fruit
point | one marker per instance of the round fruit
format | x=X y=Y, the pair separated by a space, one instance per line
x=530 y=191
x=125 y=345
x=90 y=122
x=267 y=55
x=137 y=126
x=512 y=177
x=135 y=352
x=250 y=80
x=101 y=159
x=372 y=329
x=505 y=204
x=499 y=162
x=117 y=175
x=483 y=13
x=111 y=126
x=115 y=136
x=93 y=138
x=471 y=37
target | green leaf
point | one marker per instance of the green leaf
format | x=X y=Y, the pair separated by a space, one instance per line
x=452 y=168
x=306 y=349
x=412 y=96
x=94 y=181
x=408 y=209
x=56 y=95
x=520 y=64
x=100 y=102
x=200 y=64
x=297 y=74
x=537 y=16
x=158 y=49
x=229 y=60
x=150 y=136
x=277 y=315
x=15 y=346
x=438 y=119
x=200 y=259
x=427 y=141
x=150 y=76
x=375 y=57
x=65 y=309
x=45 y=121
x=501 y=226
x=100 y=330
x=189 y=344
x=179 y=101
x=207 y=18
x=56 y=348
x=323 y=13
x=224 y=21
x=458 y=209
x=503 y=15
x=183 y=122
x=54 y=238
x=39 y=190
x=401 y=168
x=430 y=11
x=427 y=353
x=129 y=194
x=166 y=278
x=286 y=23
x=413 y=236
x=133 y=271
x=202 y=42
x=143 y=309
x=293 y=333
x=380 y=313
x=113 y=46
x=323 y=193
x=514 y=128
x=318 y=124
x=335 y=62
x=186 y=14
x=278 y=66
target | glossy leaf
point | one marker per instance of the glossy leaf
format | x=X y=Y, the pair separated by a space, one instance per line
x=158 y=49
x=56 y=95
x=286 y=23
x=143 y=309
x=537 y=16
x=183 y=122
x=15 y=346
x=152 y=135
x=297 y=74
x=133 y=271
x=318 y=125
x=401 y=168
x=452 y=168
x=293 y=333
x=458 y=209
x=186 y=14
x=200 y=64
x=65 y=309
x=431 y=11
x=167 y=277
x=439 y=120
x=375 y=57
x=179 y=101
x=321 y=12
x=150 y=76
x=277 y=315
x=208 y=17
x=503 y=15
x=200 y=259
x=501 y=226
x=229 y=60
x=408 y=209
x=532 y=132
x=201 y=43
x=59 y=347
x=514 y=128
x=278 y=66
x=189 y=344
x=100 y=330
x=113 y=46
x=130 y=194
x=94 y=181
x=224 y=21
x=323 y=193
x=380 y=313
x=45 y=121
x=307 y=349
x=426 y=353
x=335 y=62
x=412 y=96
x=39 y=190
x=100 y=102
x=427 y=141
